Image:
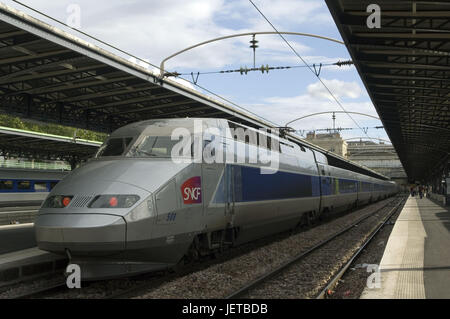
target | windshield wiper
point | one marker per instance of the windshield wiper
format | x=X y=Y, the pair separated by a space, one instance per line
x=144 y=152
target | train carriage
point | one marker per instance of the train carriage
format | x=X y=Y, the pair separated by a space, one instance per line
x=19 y=187
x=135 y=207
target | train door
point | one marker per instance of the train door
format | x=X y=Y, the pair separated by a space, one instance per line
x=229 y=191
x=214 y=192
x=326 y=187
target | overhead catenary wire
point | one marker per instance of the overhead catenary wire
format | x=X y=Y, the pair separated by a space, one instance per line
x=263 y=68
x=308 y=66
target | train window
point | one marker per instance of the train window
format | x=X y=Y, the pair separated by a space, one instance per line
x=243 y=134
x=154 y=146
x=272 y=145
x=52 y=185
x=5 y=185
x=114 y=146
x=347 y=186
x=286 y=148
x=288 y=145
x=24 y=185
x=269 y=143
x=253 y=137
x=40 y=186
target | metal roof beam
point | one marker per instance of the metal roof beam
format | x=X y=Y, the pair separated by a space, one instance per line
x=32 y=57
x=406 y=77
x=138 y=110
x=403 y=36
x=411 y=95
x=408 y=66
x=45 y=75
x=403 y=14
x=40 y=67
x=84 y=84
x=12 y=34
x=19 y=44
x=114 y=92
x=189 y=110
x=132 y=101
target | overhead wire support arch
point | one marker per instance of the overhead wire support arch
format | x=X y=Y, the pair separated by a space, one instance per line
x=327 y=112
x=162 y=70
x=361 y=137
x=309 y=67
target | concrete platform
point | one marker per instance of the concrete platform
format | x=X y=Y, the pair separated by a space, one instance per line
x=16 y=237
x=21 y=215
x=416 y=261
x=28 y=263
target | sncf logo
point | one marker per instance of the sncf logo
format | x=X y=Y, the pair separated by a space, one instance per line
x=191 y=190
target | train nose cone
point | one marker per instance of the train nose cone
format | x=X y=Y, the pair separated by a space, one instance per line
x=84 y=230
x=82 y=234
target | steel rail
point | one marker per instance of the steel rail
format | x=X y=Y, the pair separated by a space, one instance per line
x=38 y=291
x=332 y=283
x=268 y=275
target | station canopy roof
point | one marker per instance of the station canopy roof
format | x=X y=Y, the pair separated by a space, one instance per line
x=405 y=66
x=21 y=143
x=49 y=75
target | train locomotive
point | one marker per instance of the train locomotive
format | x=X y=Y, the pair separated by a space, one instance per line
x=135 y=207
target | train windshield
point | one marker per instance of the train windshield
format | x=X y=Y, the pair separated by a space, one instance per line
x=153 y=146
x=114 y=147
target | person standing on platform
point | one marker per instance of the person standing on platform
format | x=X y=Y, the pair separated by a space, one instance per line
x=421 y=191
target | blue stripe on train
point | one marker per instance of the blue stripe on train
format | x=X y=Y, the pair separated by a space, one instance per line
x=250 y=185
x=281 y=185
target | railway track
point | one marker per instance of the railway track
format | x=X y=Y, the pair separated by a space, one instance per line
x=139 y=285
x=258 y=282
x=335 y=279
x=41 y=291
x=139 y=289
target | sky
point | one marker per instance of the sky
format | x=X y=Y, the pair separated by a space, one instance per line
x=153 y=30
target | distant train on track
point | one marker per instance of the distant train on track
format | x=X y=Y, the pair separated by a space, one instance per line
x=29 y=187
x=135 y=208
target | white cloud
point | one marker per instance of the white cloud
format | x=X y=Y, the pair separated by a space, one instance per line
x=283 y=13
x=281 y=110
x=340 y=89
x=157 y=29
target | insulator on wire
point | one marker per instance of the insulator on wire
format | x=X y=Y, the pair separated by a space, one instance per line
x=253 y=43
x=243 y=70
x=264 y=68
x=341 y=63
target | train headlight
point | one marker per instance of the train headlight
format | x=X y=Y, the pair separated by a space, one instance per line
x=113 y=201
x=57 y=201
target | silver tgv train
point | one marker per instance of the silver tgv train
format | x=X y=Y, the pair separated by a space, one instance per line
x=133 y=208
